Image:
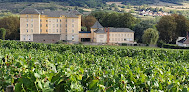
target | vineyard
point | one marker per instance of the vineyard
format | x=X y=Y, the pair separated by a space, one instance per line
x=62 y=68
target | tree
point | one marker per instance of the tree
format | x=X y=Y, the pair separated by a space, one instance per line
x=12 y=25
x=172 y=27
x=141 y=27
x=88 y=21
x=167 y=27
x=150 y=36
x=3 y=33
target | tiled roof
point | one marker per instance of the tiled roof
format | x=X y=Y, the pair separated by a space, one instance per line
x=182 y=40
x=120 y=30
x=70 y=13
x=186 y=41
x=97 y=25
x=100 y=31
x=30 y=11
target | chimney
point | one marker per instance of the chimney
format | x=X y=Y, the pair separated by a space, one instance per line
x=108 y=35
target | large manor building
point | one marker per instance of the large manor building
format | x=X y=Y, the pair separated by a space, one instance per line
x=52 y=26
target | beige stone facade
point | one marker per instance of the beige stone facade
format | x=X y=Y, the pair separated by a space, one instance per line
x=99 y=34
x=67 y=24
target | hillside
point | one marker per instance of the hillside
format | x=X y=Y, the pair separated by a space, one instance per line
x=94 y=3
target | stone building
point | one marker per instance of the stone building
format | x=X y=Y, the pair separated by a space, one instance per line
x=49 y=26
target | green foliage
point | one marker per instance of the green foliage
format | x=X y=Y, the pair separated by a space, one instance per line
x=56 y=67
x=3 y=33
x=115 y=19
x=172 y=27
x=150 y=36
x=12 y=26
x=140 y=27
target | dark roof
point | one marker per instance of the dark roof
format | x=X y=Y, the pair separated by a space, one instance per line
x=84 y=31
x=100 y=31
x=58 y=13
x=182 y=40
x=30 y=11
x=74 y=12
x=120 y=30
x=69 y=13
x=186 y=41
x=97 y=25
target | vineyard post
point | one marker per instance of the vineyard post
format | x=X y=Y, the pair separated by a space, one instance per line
x=10 y=88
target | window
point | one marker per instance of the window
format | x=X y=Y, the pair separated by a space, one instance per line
x=27 y=16
x=72 y=20
x=31 y=20
x=26 y=25
x=46 y=20
x=60 y=20
x=57 y=30
x=32 y=16
x=66 y=25
x=31 y=25
x=118 y=39
x=40 y=30
x=115 y=39
x=72 y=31
x=46 y=30
x=57 y=25
x=49 y=30
x=121 y=35
x=60 y=30
x=27 y=20
x=66 y=30
x=87 y=35
x=31 y=30
x=125 y=39
x=112 y=35
x=125 y=35
x=72 y=25
x=46 y=25
x=115 y=35
x=40 y=20
x=121 y=39
x=57 y=20
x=66 y=20
x=24 y=38
x=60 y=25
x=27 y=30
x=72 y=37
x=49 y=20
x=29 y=37
x=112 y=39
x=40 y=25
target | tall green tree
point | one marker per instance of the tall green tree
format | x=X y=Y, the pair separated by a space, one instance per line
x=3 y=33
x=150 y=36
x=12 y=25
x=88 y=21
x=172 y=27
x=167 y=29
x=141 y=27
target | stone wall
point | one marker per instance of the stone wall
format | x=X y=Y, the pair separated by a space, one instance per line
x=46 y=38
